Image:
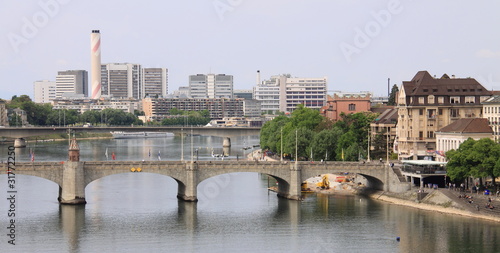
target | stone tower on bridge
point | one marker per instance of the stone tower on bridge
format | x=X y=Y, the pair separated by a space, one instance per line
x=72 y=189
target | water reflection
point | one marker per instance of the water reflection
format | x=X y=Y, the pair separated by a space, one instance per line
x=72 y=222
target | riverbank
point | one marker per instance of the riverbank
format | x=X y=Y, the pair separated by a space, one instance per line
x=440 y=201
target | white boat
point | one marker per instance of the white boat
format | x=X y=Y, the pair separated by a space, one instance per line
x=132 y=135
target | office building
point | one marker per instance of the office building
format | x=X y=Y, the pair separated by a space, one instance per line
x=44 y=91
x=211 y=86
x=283 y=93
x=154 y=82
x=122 y=80
x=72 y=82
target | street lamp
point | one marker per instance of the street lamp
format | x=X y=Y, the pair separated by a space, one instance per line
x=281 y=156
x=296 y=145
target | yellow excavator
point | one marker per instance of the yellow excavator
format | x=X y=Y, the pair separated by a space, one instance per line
x=325 y=183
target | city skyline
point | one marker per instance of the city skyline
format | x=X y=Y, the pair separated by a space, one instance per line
x=357 y=45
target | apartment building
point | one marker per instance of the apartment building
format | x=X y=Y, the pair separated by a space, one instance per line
x=159 y=108
x=491 y=111
x=426 y=104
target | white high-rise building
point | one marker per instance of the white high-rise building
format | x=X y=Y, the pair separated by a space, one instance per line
x=122 y=80
x=72 y=82
x=283 y=93
x=44 y=91
x=154 y=82
x=211 y=86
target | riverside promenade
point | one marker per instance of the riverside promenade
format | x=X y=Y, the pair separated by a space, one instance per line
x=445 y=201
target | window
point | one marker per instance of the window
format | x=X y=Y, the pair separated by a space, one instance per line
x=454 y=100
x=430 y=134
x=430 y=99
x=352 y=107
x=421 y=112
x=440 y=111
x=470 y=100
x=421 y=100
x=431 y=113
x=420 y=135
x=440 y=100
x=454 y=113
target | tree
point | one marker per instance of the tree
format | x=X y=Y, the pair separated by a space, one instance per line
x=298 y=142
x=324 y=144
x=392 y=96
x=474 y=158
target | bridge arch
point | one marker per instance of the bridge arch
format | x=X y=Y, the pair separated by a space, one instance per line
x=282 y=175
x=51 y=175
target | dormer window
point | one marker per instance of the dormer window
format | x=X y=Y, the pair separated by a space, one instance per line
x=430 y=99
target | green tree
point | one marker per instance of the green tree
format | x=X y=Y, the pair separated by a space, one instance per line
x=392 y=95
x=324 y=144
x=474 y=158
x=298 y=141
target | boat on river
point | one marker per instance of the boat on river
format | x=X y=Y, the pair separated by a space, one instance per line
x=135 y=135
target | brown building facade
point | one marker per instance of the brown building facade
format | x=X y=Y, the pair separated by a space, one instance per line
x=345 y=103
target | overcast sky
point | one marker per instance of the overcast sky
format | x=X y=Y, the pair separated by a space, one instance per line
x=356 y=44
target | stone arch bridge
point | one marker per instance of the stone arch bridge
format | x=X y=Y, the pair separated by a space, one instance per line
x=73 y=177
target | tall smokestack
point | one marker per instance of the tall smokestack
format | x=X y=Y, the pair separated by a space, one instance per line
x=258 y=77
x=95 y=62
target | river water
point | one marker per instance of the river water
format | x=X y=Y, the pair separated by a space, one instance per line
x=136 y=212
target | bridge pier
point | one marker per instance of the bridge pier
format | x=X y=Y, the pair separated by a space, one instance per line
x=72 y=190
x=187 y=190
x=293 y=190
x=19 y=143
x=226 y=142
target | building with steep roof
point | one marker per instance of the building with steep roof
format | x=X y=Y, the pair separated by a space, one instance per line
x=451 y=136
x=426 y=104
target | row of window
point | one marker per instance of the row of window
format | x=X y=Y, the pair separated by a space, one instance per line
x=492 y=109
x=454 y=113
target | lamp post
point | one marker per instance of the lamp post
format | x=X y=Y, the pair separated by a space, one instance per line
x=281 y=155
x=182 y=144
x=387 y=145
x=192 y=155
x=296 y=145
x=368 y=156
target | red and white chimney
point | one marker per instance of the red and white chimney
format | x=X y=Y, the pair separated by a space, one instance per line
x=95 y=62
